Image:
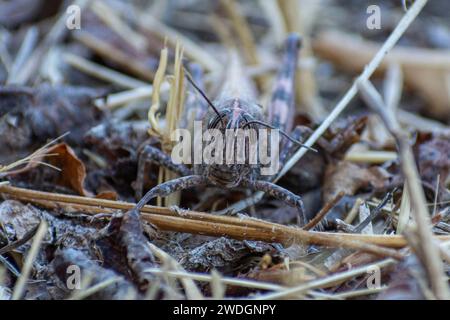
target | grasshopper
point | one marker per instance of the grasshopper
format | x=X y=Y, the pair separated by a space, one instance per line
x=236 y=108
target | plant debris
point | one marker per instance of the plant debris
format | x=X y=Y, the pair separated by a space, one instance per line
x=87 y=118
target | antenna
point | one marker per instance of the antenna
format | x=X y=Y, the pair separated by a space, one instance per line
x=281 y=131
x=192 y=82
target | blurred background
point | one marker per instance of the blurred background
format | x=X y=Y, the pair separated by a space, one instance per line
x=127 y=36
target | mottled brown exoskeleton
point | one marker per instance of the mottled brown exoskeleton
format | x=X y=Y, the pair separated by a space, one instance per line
x=236 y=108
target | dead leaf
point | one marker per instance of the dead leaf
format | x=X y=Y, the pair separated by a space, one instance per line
x=432 y=152
x=108 y=195
x=17 y=219
x=350 y=177
x=73 y=171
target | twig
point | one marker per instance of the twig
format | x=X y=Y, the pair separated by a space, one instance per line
x=375 y=212
x=237 y=228
x=25 y=50
x=114 y=54
x=118 y=99
x=431 y=258
x=370 y=156
x=103 y=73
x=323 y=212
x=13 y=245
x=353 y=211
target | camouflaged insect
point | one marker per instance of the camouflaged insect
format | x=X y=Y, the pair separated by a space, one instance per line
x=237 y=108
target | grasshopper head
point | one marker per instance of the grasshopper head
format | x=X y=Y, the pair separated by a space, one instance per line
x=234 y=155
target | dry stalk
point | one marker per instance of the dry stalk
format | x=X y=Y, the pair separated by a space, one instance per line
x=322 y=213
x=428 y=248
x=31 y=256
x=243 y=31
x=102 y=73
x=25 y=51
x=80 y=295
x=325 y=282
x=116 y=100
x=218 y=226
x=275 y=17
x=405 y=210
x=112 y=53
x=370 y=156
x=192 y=50
x=169 y=264
x=112 y=19
x=225 y=280
x=173 y=111
x=54 y=36
x=154 y=108
x=32 y=160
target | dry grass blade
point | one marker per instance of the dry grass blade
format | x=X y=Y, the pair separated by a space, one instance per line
x=192 y=291
x=324 y=282
x=102 y=72
x=159 y=78
x=244 y=34
x=149 y=23
x=174 y=109
x=225 y=280
x=34 y=158
x=112 y=19
x=55 y=35
x=24 y=53
x=82 y=294
x=116 y=100
x=114 y=54
x=31 y=256
x=428 y=248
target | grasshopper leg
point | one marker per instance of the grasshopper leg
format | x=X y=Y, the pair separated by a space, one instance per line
x=154 y=155
x=281 y=108
x=169 y=187
x=279 y=193
x=131 y=232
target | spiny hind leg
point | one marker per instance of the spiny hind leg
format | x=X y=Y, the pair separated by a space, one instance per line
x=279 y=193
x=282 y=109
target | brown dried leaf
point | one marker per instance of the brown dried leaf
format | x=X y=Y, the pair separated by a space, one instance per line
x=350 y=177
x=432 y=152
x=73 y=171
